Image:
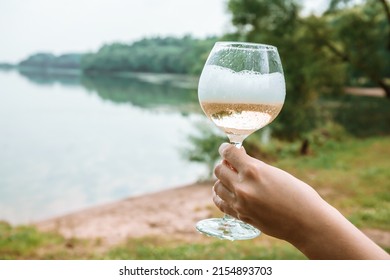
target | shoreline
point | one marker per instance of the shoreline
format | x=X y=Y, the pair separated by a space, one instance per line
x=166 y=214
x=172 y=212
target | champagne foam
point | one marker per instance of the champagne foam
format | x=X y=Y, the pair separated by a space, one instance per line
x=223 y=85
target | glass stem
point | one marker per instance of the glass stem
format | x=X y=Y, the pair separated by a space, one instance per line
x=237 y=144
x=227 y=218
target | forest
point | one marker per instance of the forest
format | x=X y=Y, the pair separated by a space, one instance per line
x=354 y=38
x=348 y=44
x=184 y=55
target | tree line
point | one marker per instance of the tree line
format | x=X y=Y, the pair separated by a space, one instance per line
x=185 y=55
x=49 y=60
x=349 y=44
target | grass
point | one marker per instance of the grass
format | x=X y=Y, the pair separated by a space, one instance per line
x=151 y=248
x=25 y=242
x=352 y=174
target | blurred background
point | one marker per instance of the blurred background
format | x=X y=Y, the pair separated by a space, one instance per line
x=98 y=101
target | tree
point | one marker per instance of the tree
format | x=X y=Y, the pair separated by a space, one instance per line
x=360 y=37
x=309 y=68
x=48 y=60
x=348 y=44
x=155 y=55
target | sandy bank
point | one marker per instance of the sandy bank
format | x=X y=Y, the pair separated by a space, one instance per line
x=170 y=213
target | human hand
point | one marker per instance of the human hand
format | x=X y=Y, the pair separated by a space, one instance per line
x=264 y=196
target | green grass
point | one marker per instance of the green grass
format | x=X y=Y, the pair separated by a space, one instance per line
x=215 y=249
x=351 y=174
x=25 y=242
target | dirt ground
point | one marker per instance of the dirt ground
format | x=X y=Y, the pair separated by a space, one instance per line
x=172 y=213
x=377 y=92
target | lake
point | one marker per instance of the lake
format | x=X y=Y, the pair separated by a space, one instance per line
x=68 y=142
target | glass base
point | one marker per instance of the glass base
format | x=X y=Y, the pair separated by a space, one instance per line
x=230 y=229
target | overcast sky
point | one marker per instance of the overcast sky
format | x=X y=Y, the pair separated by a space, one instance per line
x=63 y=26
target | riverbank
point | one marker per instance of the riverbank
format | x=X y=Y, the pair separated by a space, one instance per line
x=355 y=185
x=171 y=213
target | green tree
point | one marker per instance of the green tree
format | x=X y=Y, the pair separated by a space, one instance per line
x=156 y=55
x=309 y=68
x=359 y=35
x=48 y=60
x=348 y=44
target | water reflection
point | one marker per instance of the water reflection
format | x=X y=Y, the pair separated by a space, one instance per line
x=51 y=77
x=70 y=142
x=143 y=94
x=160 y=92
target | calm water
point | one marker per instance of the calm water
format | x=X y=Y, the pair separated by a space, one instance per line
x=67 y=143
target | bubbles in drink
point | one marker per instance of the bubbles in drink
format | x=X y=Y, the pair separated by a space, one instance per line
x=240 y=103
x=219 y=84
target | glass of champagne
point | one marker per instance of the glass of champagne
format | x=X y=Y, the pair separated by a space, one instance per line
x=241 y=89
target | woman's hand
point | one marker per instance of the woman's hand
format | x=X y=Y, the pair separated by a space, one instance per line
x=264 y=196
x=283 y=206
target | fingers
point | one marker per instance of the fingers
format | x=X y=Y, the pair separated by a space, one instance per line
x=223 y=205
x=235 y=156
x=225 y=201
x=226 y=174
x=224 y=193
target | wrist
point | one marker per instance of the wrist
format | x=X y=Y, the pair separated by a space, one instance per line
x=331 y=236
x=315 y=229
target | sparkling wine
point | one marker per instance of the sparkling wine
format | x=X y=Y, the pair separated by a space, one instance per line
x=237 y=119
x=240 y=103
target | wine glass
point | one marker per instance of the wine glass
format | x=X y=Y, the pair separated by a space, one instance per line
x=241 y=89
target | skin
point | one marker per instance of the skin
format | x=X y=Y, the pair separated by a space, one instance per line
x=284 y=207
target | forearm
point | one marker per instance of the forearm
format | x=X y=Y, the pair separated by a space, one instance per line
x=332 y=236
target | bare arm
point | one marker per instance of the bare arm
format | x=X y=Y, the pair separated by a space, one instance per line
x=283 y=206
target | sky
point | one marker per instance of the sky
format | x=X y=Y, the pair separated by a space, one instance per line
x=65 y=26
